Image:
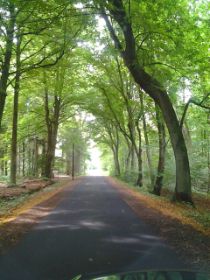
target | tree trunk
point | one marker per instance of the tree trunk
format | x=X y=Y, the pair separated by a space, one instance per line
x=134 y=147
x=127 y=166
x=151 y=170
x=5 y=167
x=49 y=158
x=208 y=163
x=43 y=157
x=162 y=148
x=7 y=59
x=68 y=164
x=36 y=157
x=112 y=131
x=156 y=91
x=2 y=161
x=139 y=181
x=13 y=164
x=50 y=153
x=23 y=159
x=116 y=161
x=73 y=163
x=29 y=158
x=132 y=158
x=52 y=123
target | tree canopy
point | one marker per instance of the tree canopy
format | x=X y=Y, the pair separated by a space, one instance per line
x=132 y=76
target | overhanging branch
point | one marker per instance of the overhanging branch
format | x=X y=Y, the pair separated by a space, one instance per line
x=199 y=104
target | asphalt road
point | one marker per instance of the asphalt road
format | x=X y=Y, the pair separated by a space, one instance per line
x=92 y=230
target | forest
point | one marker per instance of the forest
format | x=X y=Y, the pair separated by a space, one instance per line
x=131 y=76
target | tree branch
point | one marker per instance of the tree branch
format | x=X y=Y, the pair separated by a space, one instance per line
x=199 y=104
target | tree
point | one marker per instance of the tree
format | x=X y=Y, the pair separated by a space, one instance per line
x=162 y=149
x=156 y=91
x=9 y=22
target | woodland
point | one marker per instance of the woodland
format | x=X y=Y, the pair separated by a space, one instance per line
x=130 y=75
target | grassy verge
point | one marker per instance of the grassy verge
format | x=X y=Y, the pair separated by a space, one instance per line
x=198 y=218
x=11 y=207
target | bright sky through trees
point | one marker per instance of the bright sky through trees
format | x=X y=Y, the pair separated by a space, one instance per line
x=94 y=165
x=67 y=78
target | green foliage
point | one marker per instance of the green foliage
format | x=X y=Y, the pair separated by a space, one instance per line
x=72 y=47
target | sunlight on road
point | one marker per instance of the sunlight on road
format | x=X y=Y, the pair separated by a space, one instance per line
x=94 y=164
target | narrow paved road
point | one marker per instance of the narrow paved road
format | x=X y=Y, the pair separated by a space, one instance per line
x=91 y=230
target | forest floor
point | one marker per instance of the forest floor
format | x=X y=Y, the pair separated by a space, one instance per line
x=12 y=197
x=17 y=207
x=185 y=228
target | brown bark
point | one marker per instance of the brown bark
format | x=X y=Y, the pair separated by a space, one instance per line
x=156 y=91
x=7 y=59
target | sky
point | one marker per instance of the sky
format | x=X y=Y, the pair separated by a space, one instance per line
x=94 y=164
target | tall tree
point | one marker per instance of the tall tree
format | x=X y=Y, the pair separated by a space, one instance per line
x=162 y=149
x=8 y=16
x=155 y=89
x=13 y=169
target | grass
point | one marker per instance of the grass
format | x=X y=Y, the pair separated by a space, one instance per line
x=7 y=204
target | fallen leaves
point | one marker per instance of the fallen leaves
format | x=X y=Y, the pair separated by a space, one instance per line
x=20 y=220
x=174 y=222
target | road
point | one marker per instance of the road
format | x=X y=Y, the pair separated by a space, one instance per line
x=91 y=230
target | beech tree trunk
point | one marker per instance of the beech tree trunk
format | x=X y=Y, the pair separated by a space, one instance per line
x=13 y=163
x=151 y=170
x=127 y=166
x=23 y=159
x=36 y=158
x=52 y=123
x=208 y=162
x=68 y=164
x=114 y=145
x=7 y=59
x=52 y=129
x=139 y=155
x=73 y=162
x=155 y=90
x=162 y=149
x=50 y=154
x=116 y=161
